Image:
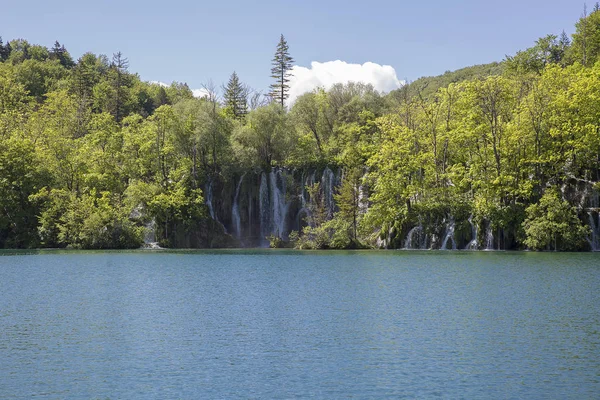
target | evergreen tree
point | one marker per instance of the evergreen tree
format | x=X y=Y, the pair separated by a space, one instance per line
x=236 y=97
x=119 y=67
x=161 y=97
x=2 y=58
x=282 y=64
x=7 y=51
x=58 y=52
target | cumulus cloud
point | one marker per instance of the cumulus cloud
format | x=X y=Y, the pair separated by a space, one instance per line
x=195 y=92
x=200 y=93
x=326 y=74
x=159 y=83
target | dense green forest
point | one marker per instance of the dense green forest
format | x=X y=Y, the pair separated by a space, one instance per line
x=504 y=155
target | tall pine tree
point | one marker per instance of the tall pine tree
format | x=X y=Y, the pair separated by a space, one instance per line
x=282 y=64
x=58 y=52
x=119 y=67
x=236 y=96
x=4 y=50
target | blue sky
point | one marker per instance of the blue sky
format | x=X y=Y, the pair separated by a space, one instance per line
x=194 y=41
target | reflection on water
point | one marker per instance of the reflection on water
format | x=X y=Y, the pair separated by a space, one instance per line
x=266 y=324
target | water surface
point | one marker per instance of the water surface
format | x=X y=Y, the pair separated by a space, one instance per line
x=284 y=324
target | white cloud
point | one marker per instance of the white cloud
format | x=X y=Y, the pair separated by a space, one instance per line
x=200 y=93
x=159 y=83
x=195 y=92
x=326 y=74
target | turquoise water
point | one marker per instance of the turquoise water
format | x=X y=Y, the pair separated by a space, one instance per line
x=281 y=324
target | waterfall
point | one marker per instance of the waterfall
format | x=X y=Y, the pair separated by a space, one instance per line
x=363 y=196
x=594 y=240
x=489 y=237
x=275 y=205
x=327 y=184
x=279 y=206
x=302 y=191
x=384 y=243
x=150 y=236
x=265 y=208
x=209 y=200
x=473 y=243
x=209 y=203
x=421 y=239
x=449 y=235
x=235 y=209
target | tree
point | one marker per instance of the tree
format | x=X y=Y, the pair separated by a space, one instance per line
x=236 y=97
x=585 y=47
x=553 y=224
x=21 y=176
x=4 y=50
x=264 y=138
x=61 y=54
x=349 y=200
x=282 y=64
x=119 y=68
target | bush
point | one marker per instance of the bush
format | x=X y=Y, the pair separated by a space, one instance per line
x=553 y=224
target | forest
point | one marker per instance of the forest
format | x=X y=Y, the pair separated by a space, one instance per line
x=497 y=156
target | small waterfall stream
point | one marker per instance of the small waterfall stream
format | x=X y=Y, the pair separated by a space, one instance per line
x=449 y=235
x=279 y=206
x=235 y=209
x=594 y=239
x=150 y=236
x=209 y=199
x=209 y=204
x=264 y=208
x=327 y=185
x=489 y=237
x=472 y=245
x=421 y=238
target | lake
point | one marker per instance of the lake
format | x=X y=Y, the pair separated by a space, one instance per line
x=285 y=324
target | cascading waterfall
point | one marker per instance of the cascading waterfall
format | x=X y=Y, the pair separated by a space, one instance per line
x=275 y=209
x=489 y=237
x=304 y=200
x=472 y=245
x=594 y=240
x=209 y=203
x=264 y=207
x=235 y=209
x=279 y=204
x=449 y=235
x=421 y=241
x=363 y=198
x=384 y=243
x=150 y=236
x=209 y=199
x=327 y=185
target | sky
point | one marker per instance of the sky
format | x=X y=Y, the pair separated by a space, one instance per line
x=380 y=42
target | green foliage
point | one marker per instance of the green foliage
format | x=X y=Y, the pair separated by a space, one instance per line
x=547 y=50
x=552 y=224
x=21 y=176
x=428 y=86
x=585 y=48
x=90 y=154
x=265 y=138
